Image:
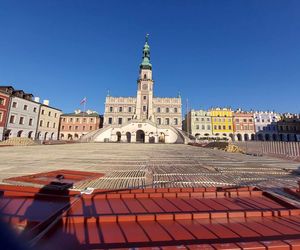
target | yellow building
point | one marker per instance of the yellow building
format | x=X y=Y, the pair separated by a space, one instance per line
x=222 y=122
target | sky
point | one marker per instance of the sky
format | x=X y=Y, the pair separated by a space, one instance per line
x=233 y=53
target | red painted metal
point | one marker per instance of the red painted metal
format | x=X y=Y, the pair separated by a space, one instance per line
x=59 y=179
x=186 y=218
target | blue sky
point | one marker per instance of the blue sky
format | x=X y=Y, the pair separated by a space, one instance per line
x=216 y=53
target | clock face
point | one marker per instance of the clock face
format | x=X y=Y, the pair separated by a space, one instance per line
x=145 y=86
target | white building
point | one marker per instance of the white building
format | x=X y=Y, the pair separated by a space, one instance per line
x=48 y=124
x=144 y=118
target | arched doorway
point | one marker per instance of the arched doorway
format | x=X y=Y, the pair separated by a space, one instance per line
x=267 y=137
x=231 y=136
x=38 y=135
x=62 y=136
x=260 y=137
x=45 y=136
x=239 y=136
x=151 y=138
x=6 y=134
x=197 y=136
x=52 y=135
x=30 y=135
x=246 y=137
x=252 y=137
x=70 y=137
x=128 y=136
x=161 y=138
x=140 y=136
x=118 y=136
x=19 y=134
x=274 y=137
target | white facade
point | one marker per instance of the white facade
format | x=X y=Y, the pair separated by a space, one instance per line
x=23 y=118
x=48 y=124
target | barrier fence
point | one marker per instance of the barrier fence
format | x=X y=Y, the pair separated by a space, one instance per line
x=287 y=150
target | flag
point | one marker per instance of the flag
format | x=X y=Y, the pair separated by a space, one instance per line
x=83 y=101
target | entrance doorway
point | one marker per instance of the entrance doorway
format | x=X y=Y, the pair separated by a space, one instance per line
x=128 y=136
x=118 y=136
x=161 y=138
x=140 y=136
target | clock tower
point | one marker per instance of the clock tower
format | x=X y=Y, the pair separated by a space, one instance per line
x=144 y=101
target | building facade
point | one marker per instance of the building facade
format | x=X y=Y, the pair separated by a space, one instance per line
x=222 y=124
x=288 y=128
x=266 y=125
x=198 y=123
x=144 y=118
x=48 y=123
x=243 y=126
x=75 y=125
x=4 y=110
x=23 y=114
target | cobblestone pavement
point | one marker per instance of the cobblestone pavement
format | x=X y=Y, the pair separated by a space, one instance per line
x=160 y=165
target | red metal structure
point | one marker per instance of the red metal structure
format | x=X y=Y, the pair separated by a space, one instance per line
x=171 y=218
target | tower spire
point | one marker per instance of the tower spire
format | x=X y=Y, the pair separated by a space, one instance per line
x=146 y=55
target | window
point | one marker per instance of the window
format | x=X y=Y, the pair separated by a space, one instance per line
x=43 y=111
x=175 y=121
x=128 y=119
x=245 y=120
x=120 y=121
x=159 y=121
x=145 y=76
x=77 y=119
x=55 y=115
x=14 y=104
x=158 y=110
x=62 y=127
x=83 y=128
x=49 y=113
x=208 y=119
x=167 y=121
x=30 y=121
x=109 y=120
x=48 y=124
x=197 y=119
x=71 y=119
x=220 y=127
x=41 y=123
x=203 y=127
x=224 y=127
x=84 y=119
x=64 y=119
x=91 y=120
x=21 y=121
x=197 y=127
x=130 y=109
x=34 y=109
x=215 y=127
x=111 y=109
x=54 y=125
x=202 y=119
x=229 y=127
x=1 y=116
x=70 y=127
x=250 y=120
x=91 y=127
x=145 y=97
x=120 y=109
x=175 y=110
x=262 y=120
x=2 y=101
x=25 y=107
x=76 y=127
x=208 y=127
x=167 y=110
x=144 y=108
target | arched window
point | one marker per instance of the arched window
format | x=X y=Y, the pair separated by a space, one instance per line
x=158 y=110
x=145 y=76
x=167 y=110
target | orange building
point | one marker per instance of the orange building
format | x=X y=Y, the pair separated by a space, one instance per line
x=243 y=126
x=74 y=125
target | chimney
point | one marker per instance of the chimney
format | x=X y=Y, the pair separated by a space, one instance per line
x=46 y=102
x=36 y=99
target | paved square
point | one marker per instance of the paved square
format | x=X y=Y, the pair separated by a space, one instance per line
x=151 y=165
